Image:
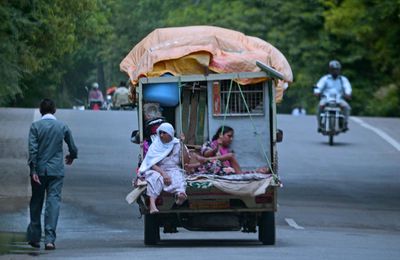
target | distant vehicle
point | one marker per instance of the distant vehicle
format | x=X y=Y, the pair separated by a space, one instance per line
x=96 y=105
x=109 y=96
x=299 y=111
x=332 y=119
x=95 y=98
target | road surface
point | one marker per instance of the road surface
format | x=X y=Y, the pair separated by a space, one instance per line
x=338 y=202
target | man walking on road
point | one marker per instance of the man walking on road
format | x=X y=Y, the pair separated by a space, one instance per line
x=47 y=172
x=121 y=96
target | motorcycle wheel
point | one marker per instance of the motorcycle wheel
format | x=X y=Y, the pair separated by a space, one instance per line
x=332 y=123
x=331 y=139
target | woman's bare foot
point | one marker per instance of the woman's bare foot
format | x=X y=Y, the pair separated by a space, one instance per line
x=153 y=207
x=153 y=210
x=180 y=198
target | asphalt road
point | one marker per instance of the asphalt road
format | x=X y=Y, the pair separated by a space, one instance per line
x=338 y=201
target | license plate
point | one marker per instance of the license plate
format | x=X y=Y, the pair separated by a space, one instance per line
x=209 y=204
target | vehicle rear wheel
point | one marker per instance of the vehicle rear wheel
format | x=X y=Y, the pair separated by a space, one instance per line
x=266 y=228
x=151 y=230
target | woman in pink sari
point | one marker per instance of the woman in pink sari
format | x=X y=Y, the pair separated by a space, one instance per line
x=217 y=156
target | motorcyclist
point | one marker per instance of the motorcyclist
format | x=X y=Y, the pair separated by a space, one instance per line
x=121 y=95
x=95 y=95
x=333 y=83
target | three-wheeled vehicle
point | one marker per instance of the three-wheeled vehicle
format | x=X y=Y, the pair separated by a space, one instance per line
x=241 y=202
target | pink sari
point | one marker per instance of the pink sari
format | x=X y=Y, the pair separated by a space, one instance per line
x=222 y=151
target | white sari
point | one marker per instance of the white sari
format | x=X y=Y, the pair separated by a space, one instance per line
x=167 y=157
x=171 y=166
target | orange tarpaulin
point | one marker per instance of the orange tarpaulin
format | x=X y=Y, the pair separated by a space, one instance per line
x=199 y=49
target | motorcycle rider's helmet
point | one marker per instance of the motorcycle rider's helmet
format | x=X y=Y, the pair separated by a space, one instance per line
x=95 y=85
x=334 y=64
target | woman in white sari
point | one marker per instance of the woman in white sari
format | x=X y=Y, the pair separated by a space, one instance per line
x=162 y=167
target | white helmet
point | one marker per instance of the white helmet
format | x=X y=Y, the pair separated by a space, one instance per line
x=334 y=64
x=95 y=85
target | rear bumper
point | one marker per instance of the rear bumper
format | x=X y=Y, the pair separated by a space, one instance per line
x=214 y=201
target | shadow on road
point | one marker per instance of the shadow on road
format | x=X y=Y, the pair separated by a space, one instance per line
x=15 y=243
x=338 y=144
x=209 y=243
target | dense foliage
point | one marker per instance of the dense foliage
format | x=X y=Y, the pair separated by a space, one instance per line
x=56 y=48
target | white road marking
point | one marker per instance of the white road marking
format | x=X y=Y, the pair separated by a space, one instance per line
x=293 y=223
x=379 y=132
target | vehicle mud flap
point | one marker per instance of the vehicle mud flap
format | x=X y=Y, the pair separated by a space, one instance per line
x=151 y=229
x=266 y=228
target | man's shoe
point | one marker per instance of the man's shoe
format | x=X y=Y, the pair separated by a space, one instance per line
x=34 y=244
x=50 y=246
x=319 y=130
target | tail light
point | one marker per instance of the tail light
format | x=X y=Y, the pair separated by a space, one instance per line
x=265 y=198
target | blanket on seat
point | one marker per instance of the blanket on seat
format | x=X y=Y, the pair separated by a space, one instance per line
x=249 y=184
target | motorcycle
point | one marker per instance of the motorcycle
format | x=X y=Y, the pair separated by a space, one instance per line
x=109 y=103
x=109 y=97
x=96 y=105
x=332 y=119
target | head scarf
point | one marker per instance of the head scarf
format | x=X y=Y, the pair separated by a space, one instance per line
x=159 y=150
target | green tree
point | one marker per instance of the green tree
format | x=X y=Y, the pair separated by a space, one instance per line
x=132 y=21
x=37 y=39
x=371 y=35
x=55 y=48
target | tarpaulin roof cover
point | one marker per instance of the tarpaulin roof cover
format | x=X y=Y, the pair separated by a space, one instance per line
x=198 y=49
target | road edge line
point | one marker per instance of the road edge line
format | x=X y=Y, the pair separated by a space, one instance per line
x=378 y=131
